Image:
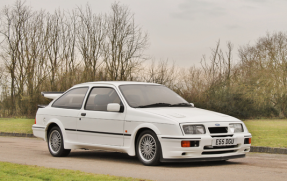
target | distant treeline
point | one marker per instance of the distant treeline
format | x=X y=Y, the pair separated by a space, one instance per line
x=52 y=52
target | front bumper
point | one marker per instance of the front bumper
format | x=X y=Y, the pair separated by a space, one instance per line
x=172 y=150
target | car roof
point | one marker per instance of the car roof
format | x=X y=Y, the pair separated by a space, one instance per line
x=115 y=83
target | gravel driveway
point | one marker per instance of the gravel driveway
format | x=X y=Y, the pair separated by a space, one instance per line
x=255 y=166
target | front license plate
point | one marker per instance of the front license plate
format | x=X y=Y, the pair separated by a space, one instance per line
x=224 y=141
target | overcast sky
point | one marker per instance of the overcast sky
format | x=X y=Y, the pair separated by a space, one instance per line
x=184 y=30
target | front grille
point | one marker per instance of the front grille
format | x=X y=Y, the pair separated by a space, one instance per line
x=219 y=147
x=217 y=152
x=218 y=129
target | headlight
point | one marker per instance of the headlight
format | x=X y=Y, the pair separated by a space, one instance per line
x=236 y=127
x=193 y=129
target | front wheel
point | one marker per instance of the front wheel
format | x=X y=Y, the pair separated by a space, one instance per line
x=56 y=143
x=148 y=148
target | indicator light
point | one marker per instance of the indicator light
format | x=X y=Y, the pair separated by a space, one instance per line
x=185 y=143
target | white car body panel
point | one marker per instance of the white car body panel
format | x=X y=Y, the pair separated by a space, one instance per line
x=184 y=115
x=107 y=122
x=117 y=131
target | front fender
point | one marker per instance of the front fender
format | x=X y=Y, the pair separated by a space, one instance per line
x=146 y=125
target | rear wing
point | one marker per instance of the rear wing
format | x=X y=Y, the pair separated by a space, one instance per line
x=52 y=95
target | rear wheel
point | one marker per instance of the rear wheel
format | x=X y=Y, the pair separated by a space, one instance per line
x=148 y=148
x=56 y=143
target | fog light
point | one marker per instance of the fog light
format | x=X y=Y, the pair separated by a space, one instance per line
x=185 y=143
x=194 y=143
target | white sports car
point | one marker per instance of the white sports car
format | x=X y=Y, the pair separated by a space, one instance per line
x=143 y=119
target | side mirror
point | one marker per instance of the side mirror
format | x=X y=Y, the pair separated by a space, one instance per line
x=192 y=104
x=113 y=107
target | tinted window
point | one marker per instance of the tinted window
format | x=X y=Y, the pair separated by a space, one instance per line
x=72 y=99
x=155 y=95
x=99 y=98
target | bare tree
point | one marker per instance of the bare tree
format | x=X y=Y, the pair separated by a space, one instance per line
x=91 y=36
x=124 y=45
x=69 y=30
x=54 y=45
x=14 y=21
x=219 y=66
x=161 y=72
x=265 y=65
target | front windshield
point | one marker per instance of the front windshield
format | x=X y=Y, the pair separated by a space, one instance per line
x=143 y=96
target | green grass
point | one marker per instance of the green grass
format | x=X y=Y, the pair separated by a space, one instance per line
x=268 y=132
x=16 y=125
x=11 y=171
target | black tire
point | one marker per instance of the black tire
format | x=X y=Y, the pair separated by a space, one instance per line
x=145 y=138
x=56 y=143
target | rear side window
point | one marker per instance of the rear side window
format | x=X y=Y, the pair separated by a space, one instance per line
x=72 y=99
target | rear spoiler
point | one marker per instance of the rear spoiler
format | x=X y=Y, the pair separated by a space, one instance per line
x=41 y=106
x=51 y=95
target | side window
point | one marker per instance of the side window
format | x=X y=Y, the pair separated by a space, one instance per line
x=100 y=97
x=72 y=99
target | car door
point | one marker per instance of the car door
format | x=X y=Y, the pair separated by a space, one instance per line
x=98 y=126
x=66 y=109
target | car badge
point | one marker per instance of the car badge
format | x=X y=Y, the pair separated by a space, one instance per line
x=217 y=124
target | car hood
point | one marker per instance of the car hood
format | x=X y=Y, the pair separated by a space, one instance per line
x=188 y=114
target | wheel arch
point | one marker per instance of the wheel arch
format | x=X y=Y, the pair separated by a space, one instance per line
x=137 y=132
x=51 y=124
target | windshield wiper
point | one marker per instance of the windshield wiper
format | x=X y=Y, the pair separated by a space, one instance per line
x=181 y=105
x=156 y=105
x=160 y=104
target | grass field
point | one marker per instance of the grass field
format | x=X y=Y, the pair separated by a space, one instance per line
x=265 y=132
x=11 y=171
x=268 y=132
x=16 y=125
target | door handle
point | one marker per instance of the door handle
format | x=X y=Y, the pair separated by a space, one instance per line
x=83 y=114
